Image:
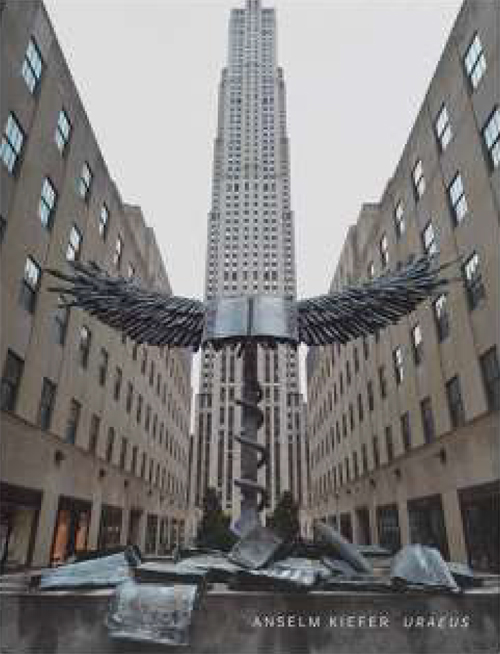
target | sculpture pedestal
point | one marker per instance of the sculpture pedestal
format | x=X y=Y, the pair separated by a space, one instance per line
x=254 y=623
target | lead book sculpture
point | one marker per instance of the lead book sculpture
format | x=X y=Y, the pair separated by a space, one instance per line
x=249 y=321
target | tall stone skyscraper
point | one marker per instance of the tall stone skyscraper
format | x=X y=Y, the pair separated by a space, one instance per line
x=250 y=250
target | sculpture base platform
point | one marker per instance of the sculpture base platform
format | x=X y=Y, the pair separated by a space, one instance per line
x=259 y=622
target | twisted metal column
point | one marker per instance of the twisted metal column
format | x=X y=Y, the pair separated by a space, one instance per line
x=253 y=454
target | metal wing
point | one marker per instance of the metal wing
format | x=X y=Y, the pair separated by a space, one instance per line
x=364 y=309
x=145 y=316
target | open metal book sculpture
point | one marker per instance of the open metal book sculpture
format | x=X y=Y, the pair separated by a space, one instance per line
x=154 y=318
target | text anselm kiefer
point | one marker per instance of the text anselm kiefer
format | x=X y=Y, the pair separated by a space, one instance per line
x=361 y=620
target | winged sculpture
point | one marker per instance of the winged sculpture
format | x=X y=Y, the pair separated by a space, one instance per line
x=155 y=318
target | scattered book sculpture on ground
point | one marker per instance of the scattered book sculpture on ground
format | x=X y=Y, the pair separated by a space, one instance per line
x=151 y=317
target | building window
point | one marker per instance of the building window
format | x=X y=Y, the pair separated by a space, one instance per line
x=11 y=378
x=399 y=219
x=366 y=349
x=455 y=403
x=12 y=143
x=473 y=281
x=418 y=179
x=63 y=132
x=46 y=404
x=61 y=318
x=364 y=458
x=103 y=222
x=475 y=61
x=46 y=208
x=133 y=462
x=491 y=377
x=491 y=137
x=73 y=420
x=109 y=445
x=384 y=251
x=32 y=66
x=139 y=409
x=74 y=244
x=117 y=255
x=95 y=425
x=382 y=381
x=417 y=344
x=443 y=128
x=123 y=453
x=376 y=452
x=389 y=443
x=456 y=196
x=406 y=431
x=427 y=420
x=84 y=346
x=130 y=396
x=397 y=357
x=429 y=240
x=3 y=227
x=103 y=366
x=30 y=285
x=85 y=182
x=369 y=389
x=441 y=316
x=118 y=383
x=360 y=408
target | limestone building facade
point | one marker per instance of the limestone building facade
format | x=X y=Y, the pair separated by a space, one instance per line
x=94 y=429
x=404 y=425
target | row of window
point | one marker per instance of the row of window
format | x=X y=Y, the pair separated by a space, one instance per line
x=475 y=66
x=491 y=377
x=442 y=323
x=10 y=383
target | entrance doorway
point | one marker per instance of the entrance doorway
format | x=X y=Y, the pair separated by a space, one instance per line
x=19 y=511
x=389 y=535
x=134 y=525
x=110 y=527
x=71 y=530
x=151 y=533
x=163 y=545
x=346 y=526
x=363 y=524
x=427 y=525
x=480 y=507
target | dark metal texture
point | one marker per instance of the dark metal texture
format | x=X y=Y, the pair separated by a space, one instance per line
x=254 y=495
x=152 y=613
x=362 y=310
x=256 y=548
x=157 y=319
x=143 y=315
x=335 y=544
x=421 y=566
x=94 y=573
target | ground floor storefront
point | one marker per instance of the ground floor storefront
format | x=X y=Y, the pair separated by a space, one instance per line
x=445 y=495
x=57 y=502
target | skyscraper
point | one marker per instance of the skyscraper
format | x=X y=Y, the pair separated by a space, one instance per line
x=250 y=250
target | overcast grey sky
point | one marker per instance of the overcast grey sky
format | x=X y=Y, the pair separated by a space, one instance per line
x=148 y=72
